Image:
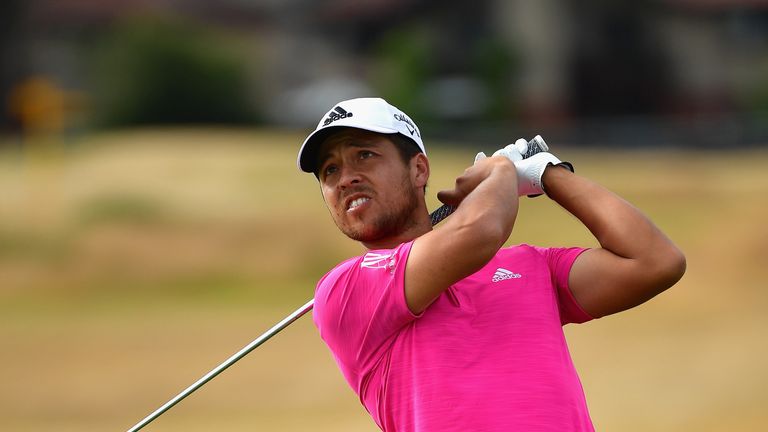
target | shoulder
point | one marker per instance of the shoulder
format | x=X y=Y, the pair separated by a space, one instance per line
x=342 y=268
x=522 y=257
x=522 y=251
x=556 y=259
x=341 y=271
x=375 y=266
x=360 y=291
x=550 y=254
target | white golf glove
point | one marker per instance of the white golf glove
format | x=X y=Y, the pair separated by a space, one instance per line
x=513 y=152
x=529 y=170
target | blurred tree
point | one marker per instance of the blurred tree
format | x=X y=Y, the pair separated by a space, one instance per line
x=158 y=70
x=496 y=66
x=402 y=69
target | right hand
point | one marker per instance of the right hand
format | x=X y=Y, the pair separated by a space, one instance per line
x=529 y=170
x=476 y=174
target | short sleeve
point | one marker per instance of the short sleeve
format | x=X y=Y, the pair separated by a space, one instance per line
x=560 y=261
x=360 y=305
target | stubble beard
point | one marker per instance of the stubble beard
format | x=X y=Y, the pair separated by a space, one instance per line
x=390 y=223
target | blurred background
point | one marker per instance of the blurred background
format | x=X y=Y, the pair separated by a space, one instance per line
x=152 y=220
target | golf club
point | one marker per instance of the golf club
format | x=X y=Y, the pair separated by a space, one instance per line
x=535 y=145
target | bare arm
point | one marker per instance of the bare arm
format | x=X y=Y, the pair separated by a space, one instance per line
x=636 y=260
x=468 y=239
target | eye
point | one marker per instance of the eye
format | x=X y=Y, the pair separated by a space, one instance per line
x=365 y=154
x=329 y=169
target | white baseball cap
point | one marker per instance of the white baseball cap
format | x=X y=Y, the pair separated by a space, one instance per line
x=371 y=114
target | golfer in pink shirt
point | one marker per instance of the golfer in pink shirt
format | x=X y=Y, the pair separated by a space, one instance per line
x=442 y=328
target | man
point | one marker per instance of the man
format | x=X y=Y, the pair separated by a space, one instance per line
x=444 y=329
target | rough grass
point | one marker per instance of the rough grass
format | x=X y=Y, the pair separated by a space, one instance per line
x=131 y=263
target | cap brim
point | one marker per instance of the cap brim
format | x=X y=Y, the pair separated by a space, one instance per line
x=307 y=160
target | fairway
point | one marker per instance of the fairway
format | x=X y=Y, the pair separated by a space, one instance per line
x=131 y=263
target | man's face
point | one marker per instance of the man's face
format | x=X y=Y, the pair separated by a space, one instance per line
x=370 y=192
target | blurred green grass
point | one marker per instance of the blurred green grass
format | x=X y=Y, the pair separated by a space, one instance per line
x=133 y=262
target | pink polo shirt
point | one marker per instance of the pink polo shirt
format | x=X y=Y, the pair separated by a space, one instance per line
x=488 y=355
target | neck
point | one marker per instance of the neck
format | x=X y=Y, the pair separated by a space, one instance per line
x=422 y=226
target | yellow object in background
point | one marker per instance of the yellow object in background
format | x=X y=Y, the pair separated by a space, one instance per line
x=39 y=105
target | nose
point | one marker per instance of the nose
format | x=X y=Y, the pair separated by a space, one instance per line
x=348 y=177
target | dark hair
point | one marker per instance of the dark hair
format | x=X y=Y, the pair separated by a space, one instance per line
x=405 y=146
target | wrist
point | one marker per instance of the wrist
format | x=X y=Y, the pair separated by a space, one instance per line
x=553 y=174
x=505 y=172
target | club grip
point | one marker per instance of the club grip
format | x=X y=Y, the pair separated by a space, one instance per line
x=536 y=145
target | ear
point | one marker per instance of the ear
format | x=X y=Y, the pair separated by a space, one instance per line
x=420 y=170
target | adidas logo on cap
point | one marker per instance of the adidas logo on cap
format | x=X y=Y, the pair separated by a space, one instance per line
x=337 y=113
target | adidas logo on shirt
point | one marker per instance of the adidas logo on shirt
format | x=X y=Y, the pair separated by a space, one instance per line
x=375 y=260
x=504 y=274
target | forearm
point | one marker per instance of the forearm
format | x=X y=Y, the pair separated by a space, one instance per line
x=488 y=211
x=636 y=260
x=616 y=224
x=486 y=200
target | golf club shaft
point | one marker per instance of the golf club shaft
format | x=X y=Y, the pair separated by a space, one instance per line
x=536 y=145
x=436 y=216
x=229 y=362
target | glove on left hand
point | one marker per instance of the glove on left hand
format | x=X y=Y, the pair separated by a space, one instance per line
x=530 y=171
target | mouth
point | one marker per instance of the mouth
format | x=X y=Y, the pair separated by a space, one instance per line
x=353 y=204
